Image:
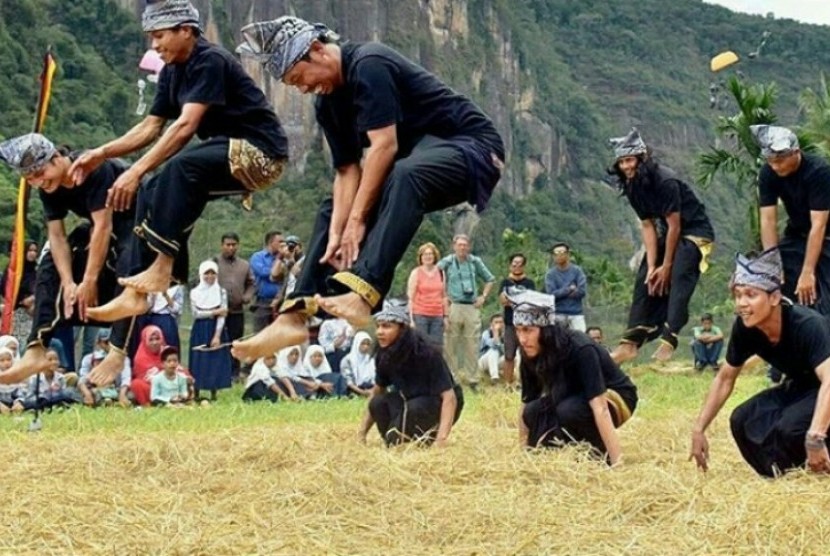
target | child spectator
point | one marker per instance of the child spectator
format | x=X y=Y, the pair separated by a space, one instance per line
x=147 y=358
x=11 y=395
x=318 y=377
x=491 y=348
x=263 y=382
x=358 y=367
x=93 y=395
x=169 y=387
x=290 y=370
x=49 y=389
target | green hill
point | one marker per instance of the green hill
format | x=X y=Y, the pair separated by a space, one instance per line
x=559 y=77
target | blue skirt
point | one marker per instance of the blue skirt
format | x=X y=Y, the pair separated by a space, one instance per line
x=210 y=369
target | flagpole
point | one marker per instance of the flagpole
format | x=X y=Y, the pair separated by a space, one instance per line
x=14 y=274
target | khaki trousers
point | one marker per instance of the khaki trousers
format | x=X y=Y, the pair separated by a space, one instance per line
x=462 y=339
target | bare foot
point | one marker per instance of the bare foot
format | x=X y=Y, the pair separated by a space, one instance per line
x=128 y=304
x=107 y=370
x=155 y=279
x=349 y=306
x=663 y=353
x=4 y=409
x=33 y=362
x=288 y=330
x=624 y=352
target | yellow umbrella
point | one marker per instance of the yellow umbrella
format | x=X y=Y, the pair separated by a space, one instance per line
x=723 y=60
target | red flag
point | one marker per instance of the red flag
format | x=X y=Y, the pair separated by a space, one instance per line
x=15 y=274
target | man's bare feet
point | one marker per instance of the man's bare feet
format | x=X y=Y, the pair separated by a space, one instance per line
x=107 y=370
x=289 y=329
x=33 y=362
x=128 y=304
x=624 y=352
x=349 y=306
x=4 y=409
x=663 y=353
x=155 y=279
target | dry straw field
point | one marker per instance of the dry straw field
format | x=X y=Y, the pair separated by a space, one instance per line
x=290 y=479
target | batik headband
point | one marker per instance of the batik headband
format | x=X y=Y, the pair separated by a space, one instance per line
x=531 y=308
x=279 y=44
x=393 y=311
x=166 y=14
x=630 y=145
x=762 y=272
x=774 y=140
x=27 y=153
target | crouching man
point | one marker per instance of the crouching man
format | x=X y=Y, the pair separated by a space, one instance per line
x=415 y=396
x=785 y=426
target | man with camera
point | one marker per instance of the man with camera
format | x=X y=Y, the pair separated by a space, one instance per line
x=269 y=270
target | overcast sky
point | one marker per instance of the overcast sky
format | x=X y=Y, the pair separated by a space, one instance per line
x=809 y=11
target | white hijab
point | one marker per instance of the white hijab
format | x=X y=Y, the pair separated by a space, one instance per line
x=284 y=368
x=362 y=364
x=314 y=372
x=4 y=343
x=204 y=296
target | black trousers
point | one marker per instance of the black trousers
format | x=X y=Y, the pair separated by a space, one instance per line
x=793 y=250
x=664 y=316
x=400 y=420
x=182 y=189
x=770 y=427
x=235 y=326
x=434 y=176
x=568 y=421
x=48 y=310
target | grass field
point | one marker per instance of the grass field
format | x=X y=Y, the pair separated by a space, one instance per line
x=290 y=479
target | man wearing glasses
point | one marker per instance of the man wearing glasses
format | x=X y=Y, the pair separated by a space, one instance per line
x=567 y=283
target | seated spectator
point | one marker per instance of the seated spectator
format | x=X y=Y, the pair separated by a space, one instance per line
x=10 y=342
x=147 y=360
x=707 y=344
x=11 y=395
x=595 y=333
x=290 y=372
x=358 y=367
x=318 y=376
x=49 y=388
x=262 y=383
x=169 y=387
x=491 y=349
x=335 y=337
x=165 y=310
x=119 y=391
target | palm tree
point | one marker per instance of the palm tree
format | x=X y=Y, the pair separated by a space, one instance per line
x=740 y=157
x=815 y=105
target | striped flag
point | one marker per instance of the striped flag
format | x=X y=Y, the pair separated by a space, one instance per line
x=15 y=272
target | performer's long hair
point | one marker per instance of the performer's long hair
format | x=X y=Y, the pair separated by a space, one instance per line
x=554 y=348
x=410 y=345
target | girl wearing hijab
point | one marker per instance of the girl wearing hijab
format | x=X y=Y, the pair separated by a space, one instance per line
x=358 y=367
x=265 y=382
x=11 y=395
x=147 y=360
x=211 y=365
x=290 y=370
x=319 y=376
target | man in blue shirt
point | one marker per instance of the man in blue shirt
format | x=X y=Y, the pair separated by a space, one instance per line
x=269 y=272
x=567 y=283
